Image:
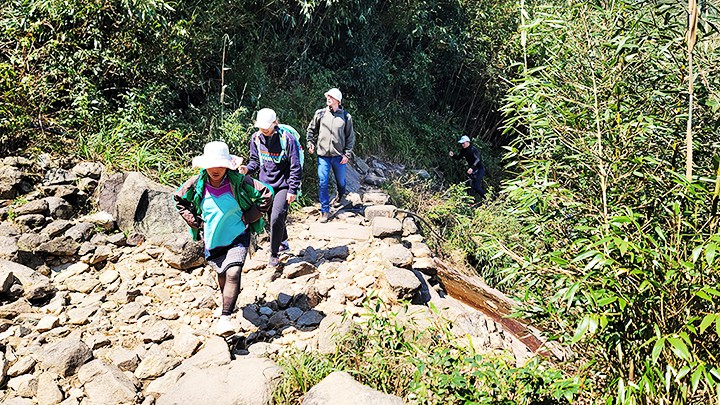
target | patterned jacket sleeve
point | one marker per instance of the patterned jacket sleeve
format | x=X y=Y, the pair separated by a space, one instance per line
x=184 y=204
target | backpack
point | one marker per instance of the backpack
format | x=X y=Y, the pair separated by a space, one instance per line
x=321 y=114
x=286 y=132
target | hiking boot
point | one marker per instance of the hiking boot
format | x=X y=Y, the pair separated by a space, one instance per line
x=274 y=262
x=284 y=246
x=224 y=326
x=338 y=201
x=324 y=217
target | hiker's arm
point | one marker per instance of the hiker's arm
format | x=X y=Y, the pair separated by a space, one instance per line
x=295 y=178
x=185 y=207
x=349 y=137
x=311 y=133
x=262 y=205
x=253 y=161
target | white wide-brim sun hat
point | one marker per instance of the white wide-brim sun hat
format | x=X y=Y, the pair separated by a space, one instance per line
x=216 y=154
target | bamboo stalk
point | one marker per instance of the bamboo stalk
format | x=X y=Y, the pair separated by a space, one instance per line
x=691 y=38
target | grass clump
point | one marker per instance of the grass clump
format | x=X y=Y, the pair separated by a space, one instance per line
x=423 y=363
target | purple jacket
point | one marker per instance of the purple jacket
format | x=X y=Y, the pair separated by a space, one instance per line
x=281 y=171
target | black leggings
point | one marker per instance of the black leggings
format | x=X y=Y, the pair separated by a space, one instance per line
x=278 y=230
x=229 y=282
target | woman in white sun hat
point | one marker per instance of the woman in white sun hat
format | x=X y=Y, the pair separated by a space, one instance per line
x=224 y=207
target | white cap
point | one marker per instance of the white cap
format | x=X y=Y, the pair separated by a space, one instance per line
x=265 y=118
x=463 y=139
x=216 y=154
x=334 y=93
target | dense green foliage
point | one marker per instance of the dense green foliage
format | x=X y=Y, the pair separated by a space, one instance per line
x=143 y=84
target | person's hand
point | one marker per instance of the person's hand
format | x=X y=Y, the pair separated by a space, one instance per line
x=344 y=160
x=291 y=198
x=452 y=153
x=469 y=171
x=243 y=169
x=311 y=148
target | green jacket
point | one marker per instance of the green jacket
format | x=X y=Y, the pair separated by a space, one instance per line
x=254 y=197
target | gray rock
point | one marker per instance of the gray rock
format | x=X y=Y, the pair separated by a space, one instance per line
x=64 y=246
x=65 y=356
x=384 y=227
x=340 y=388
x=309 y=319
x=7 y=279
x=185 y=344
x=132 y=311
x=374 y=180
x=24 y=385
x=246 y=381
x=375 y=198
x=35 y=286
x=106 y=384
x=48 y=392
x=8 y=247
x=89 y=169
x=59 y=176
x=181 y=252
x=310 y=255
x=22 y=366
x=159 y=332
x=15 y=308
x=58 y=208
x=30 y=221
x=398 y=255
x=298 y=269
x=125 y=360
x=402 y=282
x=387 y=211
x=146 y=207
x=10 y=178
x=80 y=232
x=32 y=207
x=156 y=365
x=57 y=227
x=108 y=191
x=337 y=252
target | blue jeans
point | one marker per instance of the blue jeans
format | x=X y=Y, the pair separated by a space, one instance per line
x=324 y=165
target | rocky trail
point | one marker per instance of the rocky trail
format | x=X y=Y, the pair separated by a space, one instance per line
x=104 y=299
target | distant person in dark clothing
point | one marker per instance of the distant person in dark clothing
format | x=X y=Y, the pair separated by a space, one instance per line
x=476 y=169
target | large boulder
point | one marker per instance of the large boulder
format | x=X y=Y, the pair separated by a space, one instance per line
x=146 y=207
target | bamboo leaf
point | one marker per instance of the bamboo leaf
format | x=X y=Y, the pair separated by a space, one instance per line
x=707 y=321
x=581 y=329
x=657 y=349
x=679 y=348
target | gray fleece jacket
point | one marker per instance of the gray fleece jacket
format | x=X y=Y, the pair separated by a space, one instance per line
x=331 y=133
